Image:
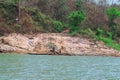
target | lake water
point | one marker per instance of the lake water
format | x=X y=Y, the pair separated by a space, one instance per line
x=40 y=67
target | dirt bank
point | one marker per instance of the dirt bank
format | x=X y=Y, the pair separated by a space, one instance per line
x=54 y=44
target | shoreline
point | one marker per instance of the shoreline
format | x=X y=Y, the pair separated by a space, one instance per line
x=61 y=55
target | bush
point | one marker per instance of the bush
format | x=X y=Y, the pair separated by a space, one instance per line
x=46 y=22
x=58 y=26
x=116 y=46
x=75 y=20
x=113 y=13
x=108 y=41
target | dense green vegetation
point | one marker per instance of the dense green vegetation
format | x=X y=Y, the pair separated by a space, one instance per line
x=108 y=40
x=98 y=21
x=75 y=20
x=113 y=13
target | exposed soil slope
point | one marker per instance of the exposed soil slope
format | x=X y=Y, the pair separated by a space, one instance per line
x=54 y=44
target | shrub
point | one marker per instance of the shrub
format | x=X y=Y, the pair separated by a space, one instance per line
x=112 y=14
x=75 y=20
x=111 y=43
x=108 y=41
x=58 y=26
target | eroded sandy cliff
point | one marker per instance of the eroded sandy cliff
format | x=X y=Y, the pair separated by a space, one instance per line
x=51 y=43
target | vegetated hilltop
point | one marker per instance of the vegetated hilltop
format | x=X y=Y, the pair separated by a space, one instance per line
x=94 y=20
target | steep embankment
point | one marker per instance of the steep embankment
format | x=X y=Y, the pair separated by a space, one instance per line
x=51 y=43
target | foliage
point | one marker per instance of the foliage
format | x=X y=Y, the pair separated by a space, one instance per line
x=58 y=26
x=100 y=36
x=18 y=27
x=47 y=22
x=110 y=42
x=12 y=1
x=114 y=31
x=55 y=16
x=75 y=20
x=61 y=10
x=107 y=40
x=57 y=9
x=73 y=33
x=37 y=15
x=8 y=10
x=88 y=32
x=91 y=33
x=41 y=19
x=100 y=32
x=79 y=5
x=84 y=31
x=109 y=35
x=113 y=13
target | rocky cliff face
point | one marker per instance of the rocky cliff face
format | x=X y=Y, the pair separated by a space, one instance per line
x=54 y=44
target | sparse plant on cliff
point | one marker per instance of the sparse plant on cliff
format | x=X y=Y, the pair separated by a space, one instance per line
x=51 y=45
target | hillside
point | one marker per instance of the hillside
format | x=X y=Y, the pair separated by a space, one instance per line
x=30 y=20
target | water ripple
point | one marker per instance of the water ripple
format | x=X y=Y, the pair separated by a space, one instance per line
x=29 y=67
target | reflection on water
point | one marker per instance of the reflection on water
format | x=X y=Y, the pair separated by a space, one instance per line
x=36 y=67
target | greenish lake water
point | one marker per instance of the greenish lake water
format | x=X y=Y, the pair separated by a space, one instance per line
x=40 y=67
